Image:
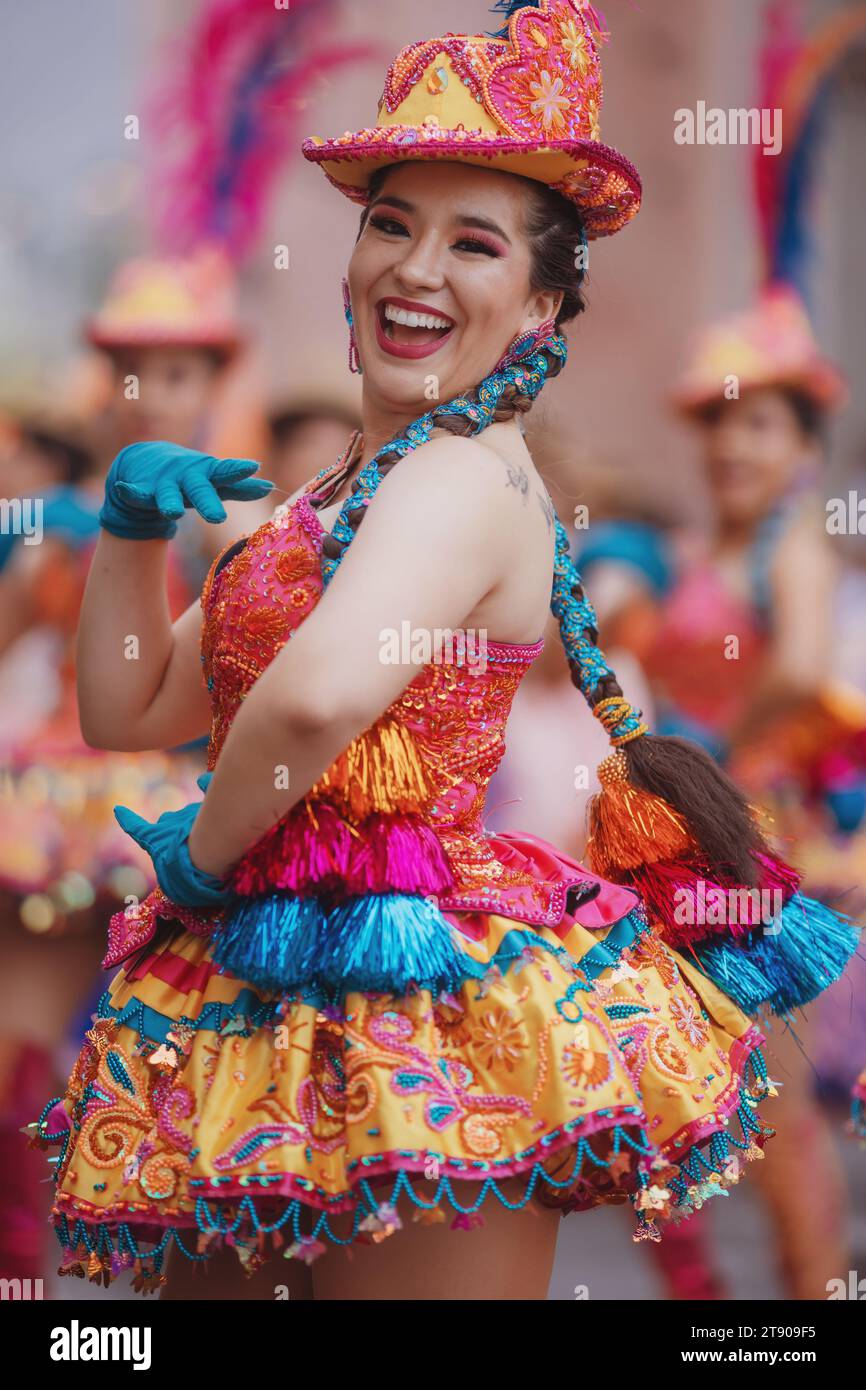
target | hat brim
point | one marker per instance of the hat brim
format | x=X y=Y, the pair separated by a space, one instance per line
x=819 y=382
x=600 y=181
x=227 y=344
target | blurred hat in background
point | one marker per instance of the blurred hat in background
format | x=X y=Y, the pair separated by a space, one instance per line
x=770 y=344
x=170 y=302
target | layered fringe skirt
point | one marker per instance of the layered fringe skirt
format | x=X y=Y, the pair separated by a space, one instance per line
x=594 y=1066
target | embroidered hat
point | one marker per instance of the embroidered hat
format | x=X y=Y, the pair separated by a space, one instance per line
x=771 y=344
x=154 y=302
x=526 y=102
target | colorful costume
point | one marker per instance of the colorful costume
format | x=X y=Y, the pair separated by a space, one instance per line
x=61 y=850
x=557 y=1037
x=813 y=764
x=65 y=863
x=388 y=993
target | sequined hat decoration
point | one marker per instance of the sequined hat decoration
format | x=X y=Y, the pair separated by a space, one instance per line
x=526 y=103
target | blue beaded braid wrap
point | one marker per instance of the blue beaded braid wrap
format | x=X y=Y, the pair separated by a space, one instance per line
x=528 y=373
x=576 y=616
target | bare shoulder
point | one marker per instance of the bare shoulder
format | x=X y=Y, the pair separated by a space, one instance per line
x=493 y=472
x=804 y=569
x=804 y=543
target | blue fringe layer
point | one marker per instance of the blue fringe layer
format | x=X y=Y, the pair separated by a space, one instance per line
x=786 y=968
x=382 y=943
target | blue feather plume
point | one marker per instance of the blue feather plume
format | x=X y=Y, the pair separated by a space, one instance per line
x=792 y=251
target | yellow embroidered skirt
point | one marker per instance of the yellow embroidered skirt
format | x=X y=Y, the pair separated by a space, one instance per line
x=596 y=1066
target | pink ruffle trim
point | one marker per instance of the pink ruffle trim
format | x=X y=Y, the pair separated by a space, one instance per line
x=133 y=927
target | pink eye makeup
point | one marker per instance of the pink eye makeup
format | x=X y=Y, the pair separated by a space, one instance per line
x=386 y=223
x=484 y=242
x=476 y=234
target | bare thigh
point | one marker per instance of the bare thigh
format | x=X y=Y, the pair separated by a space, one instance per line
x=220 y=1277
x=44 y=982
x=509 y=1257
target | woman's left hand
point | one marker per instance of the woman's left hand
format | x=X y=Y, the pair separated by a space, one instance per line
x=166 y=840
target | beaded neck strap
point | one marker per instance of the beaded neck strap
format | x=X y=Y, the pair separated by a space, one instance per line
x=527 y=373
x=333 y=472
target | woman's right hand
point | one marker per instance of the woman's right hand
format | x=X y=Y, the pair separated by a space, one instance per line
x=150 y=485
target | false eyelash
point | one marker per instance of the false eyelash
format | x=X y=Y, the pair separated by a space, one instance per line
x=490 y=247
x=381 y=221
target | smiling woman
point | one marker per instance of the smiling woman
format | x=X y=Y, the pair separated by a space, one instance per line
x=406 y=240
x=349 y=1013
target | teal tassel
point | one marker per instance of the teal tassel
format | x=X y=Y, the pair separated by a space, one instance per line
x=383 y=943
x=786 y=970
x=266 y=940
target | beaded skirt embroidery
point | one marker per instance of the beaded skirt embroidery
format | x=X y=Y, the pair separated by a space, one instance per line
x=399 y=997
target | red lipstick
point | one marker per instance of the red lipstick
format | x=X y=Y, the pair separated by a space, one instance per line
x=412 y=351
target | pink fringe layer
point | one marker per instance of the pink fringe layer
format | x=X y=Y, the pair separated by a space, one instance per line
x=386 y=854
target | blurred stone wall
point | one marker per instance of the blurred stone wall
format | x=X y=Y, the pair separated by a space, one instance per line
x=71 y=207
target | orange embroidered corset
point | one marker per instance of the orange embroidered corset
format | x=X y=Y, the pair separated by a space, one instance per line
x=402 y=809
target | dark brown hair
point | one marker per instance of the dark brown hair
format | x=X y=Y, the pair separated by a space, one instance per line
x=810 y=417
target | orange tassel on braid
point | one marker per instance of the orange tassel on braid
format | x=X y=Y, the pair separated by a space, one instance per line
x=666 y=814
x=630 y=828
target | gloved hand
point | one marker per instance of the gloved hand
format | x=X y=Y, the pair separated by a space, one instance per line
x=150 y=485
x=166 y=841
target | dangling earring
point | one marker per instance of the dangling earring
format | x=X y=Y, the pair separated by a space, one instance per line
x=525 y=343
x=354 y=359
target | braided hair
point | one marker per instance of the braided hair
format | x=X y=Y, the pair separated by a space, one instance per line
x=673 y=769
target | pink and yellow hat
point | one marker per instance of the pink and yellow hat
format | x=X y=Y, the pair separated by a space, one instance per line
x=526 y=104
x=181 y=302
x=771 y=344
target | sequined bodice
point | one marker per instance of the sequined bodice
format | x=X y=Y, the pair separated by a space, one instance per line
x=455 y=708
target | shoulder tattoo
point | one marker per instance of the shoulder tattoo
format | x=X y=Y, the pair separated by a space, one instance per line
x=547 y=507
x=518 y=478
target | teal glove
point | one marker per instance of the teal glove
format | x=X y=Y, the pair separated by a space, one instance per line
x=166 y=841
x=150 y=485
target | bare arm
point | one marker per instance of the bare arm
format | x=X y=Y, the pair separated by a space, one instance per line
x=803 y=582
x=437 y=539
x=139 y=676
